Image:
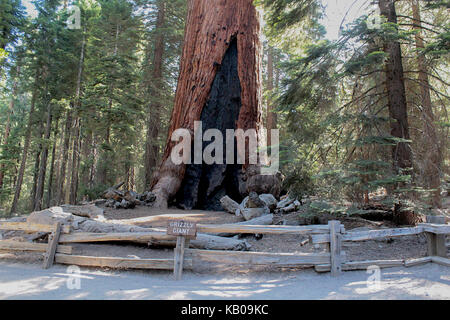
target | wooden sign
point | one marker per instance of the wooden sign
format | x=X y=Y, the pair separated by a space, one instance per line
x=182 y=228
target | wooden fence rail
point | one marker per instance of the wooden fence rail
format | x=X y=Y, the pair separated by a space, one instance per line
x=330 y=236
x=50 y=249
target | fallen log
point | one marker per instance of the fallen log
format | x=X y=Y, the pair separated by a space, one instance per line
x=155 y=237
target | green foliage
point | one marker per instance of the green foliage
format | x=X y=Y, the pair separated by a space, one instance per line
x=333 y=106
x=325 y=207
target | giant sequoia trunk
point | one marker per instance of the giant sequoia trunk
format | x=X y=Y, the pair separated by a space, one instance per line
x=219 y=84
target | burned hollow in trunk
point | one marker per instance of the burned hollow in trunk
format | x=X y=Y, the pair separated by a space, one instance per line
x=203 y=185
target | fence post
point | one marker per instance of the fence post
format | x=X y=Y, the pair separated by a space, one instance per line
x=436 y=245
x=179 y=257
x=53 y=240
x=436 y=242
x=335 y=247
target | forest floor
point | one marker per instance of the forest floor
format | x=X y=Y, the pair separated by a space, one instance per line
x=406 y=247
x=23 y=281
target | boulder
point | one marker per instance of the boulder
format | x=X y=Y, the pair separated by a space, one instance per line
x=252 y=213
x=254 y=201
x=229 y=205
x=292 y=207
x=269 y=200
x=285 y=202
x=289 y=208
x=110 y=203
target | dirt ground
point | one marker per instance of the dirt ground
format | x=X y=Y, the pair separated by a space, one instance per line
x=24 y=281
x=397 y=248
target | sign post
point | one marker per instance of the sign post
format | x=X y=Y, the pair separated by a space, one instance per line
x=183 y=230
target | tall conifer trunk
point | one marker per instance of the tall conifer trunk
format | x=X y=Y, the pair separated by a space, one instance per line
x=271 y=115
x=8 y=125
x=155 y=86
x=26 y=147
x=401 y=152
x=432 y=153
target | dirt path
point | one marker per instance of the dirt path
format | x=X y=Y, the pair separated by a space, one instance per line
x=18 y=281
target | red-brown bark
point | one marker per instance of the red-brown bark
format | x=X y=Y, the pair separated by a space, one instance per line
x=271 y=115
x=401 y=153
x=432 y=155
x=211 y=26
x=152 y=151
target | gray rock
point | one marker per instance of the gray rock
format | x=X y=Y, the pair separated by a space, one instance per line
x=229 y=205
x=269 y=200
x=254 y=201
x=244 y=203
x=285 y=202
x=110 y=203
x=289 y=208
x=252 y=213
